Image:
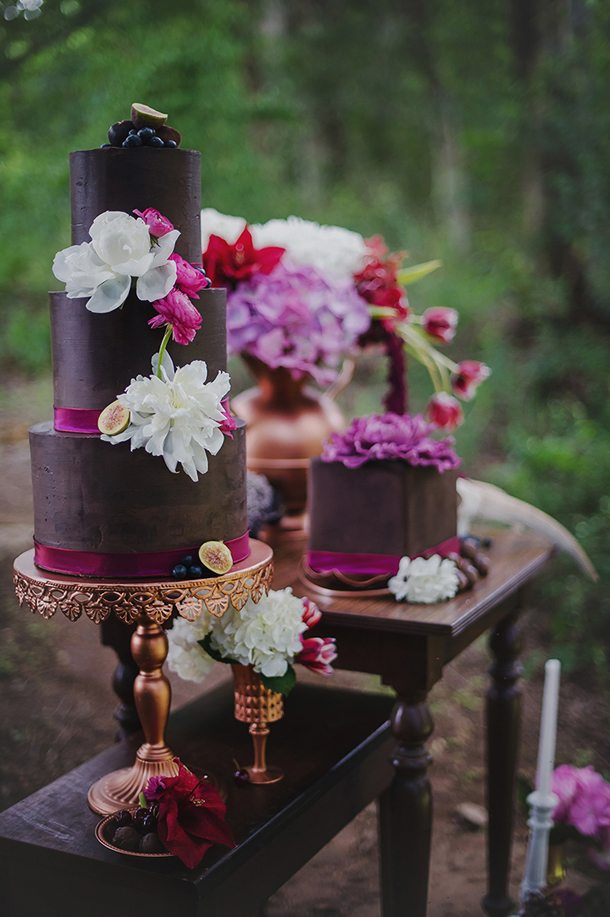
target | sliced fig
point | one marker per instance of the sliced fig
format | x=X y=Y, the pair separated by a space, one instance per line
x=216 y=556
x=113 y=419
x=169 y=133
x=145 y=116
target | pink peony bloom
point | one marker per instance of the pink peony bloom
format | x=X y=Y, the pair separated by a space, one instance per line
x=189 y=279
x=311 y=612
x=565 y=785
x=441 y=324
x=318 y=654
x=177 y=310
x=444 y=411
x=158 y=225
x=469 y=375
x=590 y=811
x=229 y=424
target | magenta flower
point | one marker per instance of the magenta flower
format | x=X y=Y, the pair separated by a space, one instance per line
x=318 y=654
x=189 y=279
x=229 y=424
x=380 y=437
x=440 y=323
x=311 y=612
x=444 y=411
x=153 y=788
x=177 y=310
x=565 y=785
x=469 y=375
x=158 y=225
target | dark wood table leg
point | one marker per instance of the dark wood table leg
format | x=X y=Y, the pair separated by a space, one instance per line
x=405 y=813
x=503 y=727
x=118 y=636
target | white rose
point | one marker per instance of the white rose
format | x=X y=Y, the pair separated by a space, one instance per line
x=424 y=580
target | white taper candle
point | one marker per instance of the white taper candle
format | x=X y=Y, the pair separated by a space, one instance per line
x=548 y=727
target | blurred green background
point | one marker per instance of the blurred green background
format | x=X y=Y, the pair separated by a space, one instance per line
x=478 y=133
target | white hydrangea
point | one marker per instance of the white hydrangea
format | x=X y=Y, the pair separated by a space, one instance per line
x=425 y=580
x=265 y=635
x=336 y=252
x=185 y=657
x=219 y=224
x=178 y=416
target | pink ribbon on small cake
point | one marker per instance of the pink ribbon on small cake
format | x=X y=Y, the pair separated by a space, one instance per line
x=84 y=420
x=130 y=566
x=354 y=564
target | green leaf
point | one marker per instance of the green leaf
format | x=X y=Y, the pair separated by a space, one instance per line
x=417 y=272
x=283 y=684
x=143 y=801
x=206 y=644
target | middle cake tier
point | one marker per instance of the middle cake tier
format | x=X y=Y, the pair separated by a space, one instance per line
x=102 y=510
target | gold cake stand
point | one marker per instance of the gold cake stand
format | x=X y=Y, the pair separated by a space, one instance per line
x=148 y=604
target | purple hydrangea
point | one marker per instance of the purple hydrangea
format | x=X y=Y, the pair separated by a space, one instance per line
x=297 y=319
x=379 y=437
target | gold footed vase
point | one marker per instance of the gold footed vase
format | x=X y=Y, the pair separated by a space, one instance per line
x=257 y=705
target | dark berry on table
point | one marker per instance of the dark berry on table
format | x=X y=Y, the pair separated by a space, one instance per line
x=149 y=822
x=122 y=818
x=241 y=776
x=139 y=818
x=132 y=140
x=155 y=141
x=145 y=133
x=180 y=572
x=126 y=838
x=171 y=144
x=150 y=843
x=196 y=571
x=187 y=560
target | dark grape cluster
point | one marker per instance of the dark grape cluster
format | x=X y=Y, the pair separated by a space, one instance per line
x=129 y=134
x=136 y=831
x=146 y=136
x=188 y=568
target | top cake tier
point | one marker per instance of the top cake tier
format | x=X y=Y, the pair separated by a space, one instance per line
x=113 y=178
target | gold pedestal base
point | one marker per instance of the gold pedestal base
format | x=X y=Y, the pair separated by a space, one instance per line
x=121 y=789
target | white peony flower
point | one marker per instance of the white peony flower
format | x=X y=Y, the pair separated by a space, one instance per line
x=215 y=223
x=177 y=416
x=336 y=252
x=121 y=248
x=265 y=635
x=426 y=580
x=185 y=657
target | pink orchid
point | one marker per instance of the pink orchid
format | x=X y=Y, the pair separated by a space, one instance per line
x=189 y=279
x=229 y=424
x=311 y=612
x=177 y=310
x=469 y=375
x=318 y=654
x=440 y=323
x=444 y=411
x=158 y=225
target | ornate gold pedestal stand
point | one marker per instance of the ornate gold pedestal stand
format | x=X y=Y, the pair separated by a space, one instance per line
x=150 y=604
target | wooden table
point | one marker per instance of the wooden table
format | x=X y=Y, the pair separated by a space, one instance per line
x=408 y=645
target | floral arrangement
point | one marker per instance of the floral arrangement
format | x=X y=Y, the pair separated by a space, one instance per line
x=425 y=580
x=267 y=635
x=583 y=810
x=303 y=296
x=390 y=436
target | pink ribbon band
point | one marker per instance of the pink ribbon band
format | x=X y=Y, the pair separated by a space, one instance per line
x=326 y=562
x=130 y=566
x=76 y=420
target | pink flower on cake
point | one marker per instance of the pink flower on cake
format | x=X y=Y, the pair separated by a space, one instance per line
x=318 y=654
x=189 y=279
x=177 y=310
x=311 y=612
x=469 y=375
x=156 y=222
x=444 y=411
x=440 y=323
x=229 y=424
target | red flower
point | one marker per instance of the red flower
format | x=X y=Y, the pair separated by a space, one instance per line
x=377 y=283
x=440 y=323
x=189 y=279
x=470 y=373
x=191 y=816
x=227 y=265
x=311 y=612
x=444 y=411
x=317 y=654
x=177 y=310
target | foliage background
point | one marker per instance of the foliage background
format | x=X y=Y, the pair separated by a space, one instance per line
x=476 y=132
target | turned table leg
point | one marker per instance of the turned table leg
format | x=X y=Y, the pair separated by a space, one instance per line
x=503 y=727
x=405 y=813
x=117 y=635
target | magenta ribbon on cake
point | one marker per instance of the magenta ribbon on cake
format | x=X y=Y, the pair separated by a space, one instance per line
x=130 y=566
x=353 y=564
x=84 y=420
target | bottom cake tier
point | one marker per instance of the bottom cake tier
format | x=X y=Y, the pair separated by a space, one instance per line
x=102 y=510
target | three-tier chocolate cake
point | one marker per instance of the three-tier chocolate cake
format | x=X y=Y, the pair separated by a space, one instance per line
x=101 y=509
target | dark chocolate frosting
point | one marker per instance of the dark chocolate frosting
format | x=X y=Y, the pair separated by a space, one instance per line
x=96 y=356
x=92 y=496
x=114 y=178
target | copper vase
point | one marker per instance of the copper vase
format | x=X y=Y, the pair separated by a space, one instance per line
x=258 y=706
x=287 y=424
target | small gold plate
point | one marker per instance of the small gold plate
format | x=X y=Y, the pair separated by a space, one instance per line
x=101 y=830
